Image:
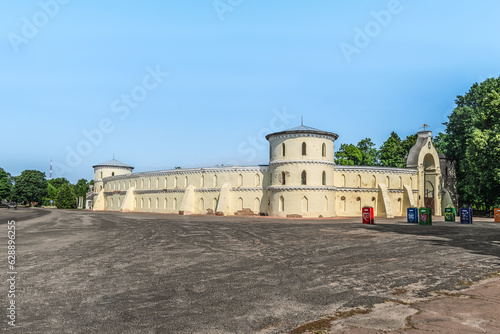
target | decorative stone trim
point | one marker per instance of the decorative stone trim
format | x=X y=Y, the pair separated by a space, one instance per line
x=158 y=191
x=288 y=162
x=375 y=169
x=247 y=189
x=302 y=188
x=374 y=190
x=207 y=190
x=300 y=134
x=192 y=171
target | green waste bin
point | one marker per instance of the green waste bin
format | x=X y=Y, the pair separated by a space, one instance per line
x=449 y=214
x=425 y=216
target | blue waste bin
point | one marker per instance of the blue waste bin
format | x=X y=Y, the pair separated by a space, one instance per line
x=412 y=215
x=466 y=215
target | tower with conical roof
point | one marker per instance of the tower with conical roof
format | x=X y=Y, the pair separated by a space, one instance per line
x=301 y=169
x=109 y=168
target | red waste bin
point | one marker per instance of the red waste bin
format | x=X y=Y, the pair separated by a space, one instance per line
x=368 y=215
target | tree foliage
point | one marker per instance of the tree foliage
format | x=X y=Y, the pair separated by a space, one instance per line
x=5 y=184
x=369 y=152
x=348 y=154
x=472 y=138
x=66 y=198
x=30 y=186
x=392 y=153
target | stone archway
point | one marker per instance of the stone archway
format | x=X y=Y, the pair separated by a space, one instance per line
x=430 y=182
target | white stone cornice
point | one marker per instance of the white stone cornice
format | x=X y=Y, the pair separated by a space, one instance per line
x=158 y=191
x=192 y=171
x=290 y=162
x=297 y=135
x=207 y=190
x=347 y=189
x=247 y=189
x=301 y=188
x=375 y=169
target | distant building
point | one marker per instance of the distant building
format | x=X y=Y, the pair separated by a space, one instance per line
x=300 y=180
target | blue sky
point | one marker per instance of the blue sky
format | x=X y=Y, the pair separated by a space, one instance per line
x=206 y=80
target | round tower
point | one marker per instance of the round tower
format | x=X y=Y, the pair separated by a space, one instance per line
x=301 y=171
x=109 y=168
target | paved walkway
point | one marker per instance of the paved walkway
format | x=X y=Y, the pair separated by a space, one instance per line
x=474 y=310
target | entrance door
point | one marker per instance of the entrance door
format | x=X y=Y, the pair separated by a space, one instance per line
x=429 y=196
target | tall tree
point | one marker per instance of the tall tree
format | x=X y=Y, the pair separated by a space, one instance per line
x=392 y=153
x=66 y=198
x=472 y=138
x=30 y=186
x=369 y=152
x=81 y=188
x=348 y=154
x=5 y=184
x=58 y=182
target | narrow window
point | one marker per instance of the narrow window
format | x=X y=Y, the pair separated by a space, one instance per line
x=113 y=174
x=202 y=181
x=157 y=182
x=283 y=182
x=202 y=205
x=142 y=203
x=359 y=181
x=101 y=175
x=257 y=180
x=157 y=205
x=305 y=204
x=282 y=204
x=342 y=179
x=240 y=203
x=166 y=184
x=388 y=182
x=149 y=203
x=323 y=178
x=303 y=178
x=165 y=204
x=256 y=205
x=186 y=181
x=174 y=204
x=304 y=152
x=175 y=183
x=323 y=150
x=215 y=180
x=283 y=149
x=240 y=180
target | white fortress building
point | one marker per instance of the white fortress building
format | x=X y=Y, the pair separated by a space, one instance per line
x=301 y=180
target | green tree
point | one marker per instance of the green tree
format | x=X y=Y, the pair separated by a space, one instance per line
x=5 y=184
x=472 y=138
x=66 y=198
x=348 y=154
x=408 y=143
x=30 y=186
x=391 y=153
x=81 y=188
x=369 y=152
x=58 y=182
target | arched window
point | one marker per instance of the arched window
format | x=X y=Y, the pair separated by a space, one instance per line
x=175 y=183
x=166 y=184
x=215 y=180
x=240 y=203
x=304 y=148
x=202 y=181
x=388 y=182
x=257 y=180
x=149 y=203
x=240 y=180
x=359 y=181
x=202 y=205
x=282 y=204
x=305 y=204
x=135 y=184
x=157 y=182
x=283 y=180
x=323 y=150
x=142 y=203
x=174 y=204
x=256 y=205
x=101 y=175
x=323 y=178
x=186 y=181
x=374 y=181
x=303 y=178
x=142 y=183
x=400 y=182
x=342 y=180
x=149 y=183
x=165 y=204
x=157 y=204
x=135 y=203
x=282 y=149
x=112 y=173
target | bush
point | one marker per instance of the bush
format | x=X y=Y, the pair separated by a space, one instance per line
x=66 y=198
